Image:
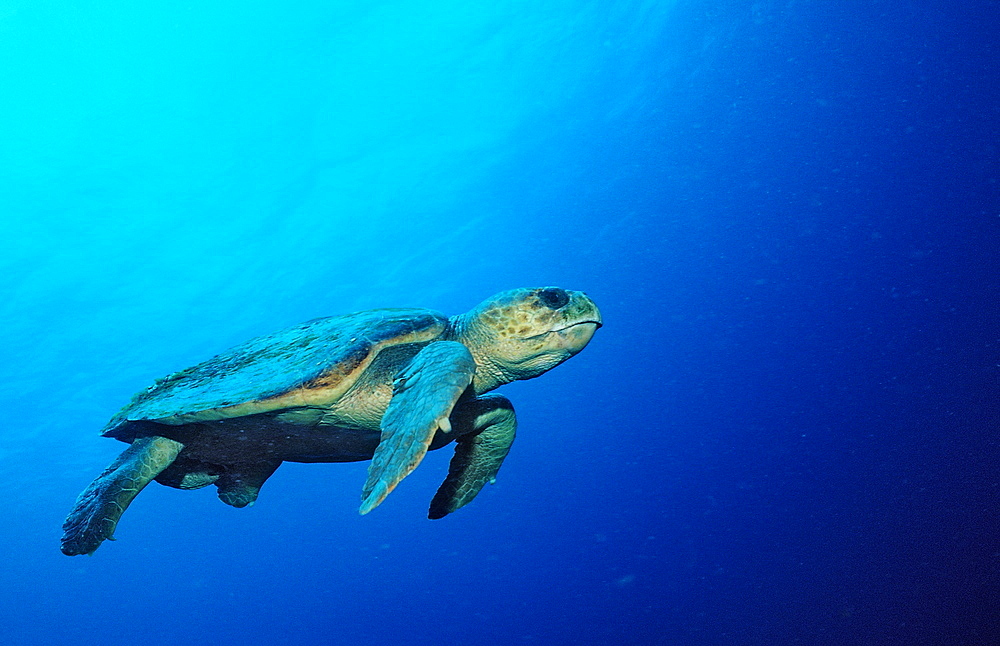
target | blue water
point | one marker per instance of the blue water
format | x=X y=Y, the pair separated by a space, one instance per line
x=785 y=433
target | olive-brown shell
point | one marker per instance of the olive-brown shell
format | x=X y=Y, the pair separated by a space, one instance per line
x=311 y=364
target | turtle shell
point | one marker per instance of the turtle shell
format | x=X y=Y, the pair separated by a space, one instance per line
x=311 y=364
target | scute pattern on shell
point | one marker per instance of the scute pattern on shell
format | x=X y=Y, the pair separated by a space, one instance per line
x=316 y=354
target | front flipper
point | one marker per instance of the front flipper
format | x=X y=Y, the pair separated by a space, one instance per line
x=98 y=508
x=478 y=454
x=424 y=394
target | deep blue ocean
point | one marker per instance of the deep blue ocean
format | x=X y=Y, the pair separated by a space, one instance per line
x=785 y=433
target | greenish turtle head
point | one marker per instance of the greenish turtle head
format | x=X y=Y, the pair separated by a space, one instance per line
x=521 y=333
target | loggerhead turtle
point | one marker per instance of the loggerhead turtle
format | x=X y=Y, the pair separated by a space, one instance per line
x=385 y=385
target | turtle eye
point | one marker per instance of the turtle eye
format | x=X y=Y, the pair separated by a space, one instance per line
x=553 y=297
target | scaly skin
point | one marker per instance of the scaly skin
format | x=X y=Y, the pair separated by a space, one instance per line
x=478 y=455
x=424 y=394
x=516 y=335
x=97 y=510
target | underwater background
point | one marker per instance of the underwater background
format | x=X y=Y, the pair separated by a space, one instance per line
x=787 y=211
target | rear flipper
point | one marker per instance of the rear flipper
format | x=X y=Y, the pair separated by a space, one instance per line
x=97 y=510
x=239 y=486
x=186 y=473
x=478 y=454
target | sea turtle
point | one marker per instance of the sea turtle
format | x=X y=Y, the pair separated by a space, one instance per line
x=385 y=385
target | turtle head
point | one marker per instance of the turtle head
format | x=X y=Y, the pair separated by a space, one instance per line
x=521 y=333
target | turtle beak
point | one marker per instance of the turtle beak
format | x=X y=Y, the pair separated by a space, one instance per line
x=581 y=309
x=581 y=319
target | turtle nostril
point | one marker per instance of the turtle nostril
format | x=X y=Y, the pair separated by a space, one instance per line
x=553 y=297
